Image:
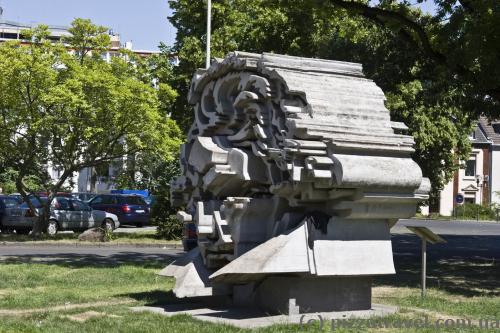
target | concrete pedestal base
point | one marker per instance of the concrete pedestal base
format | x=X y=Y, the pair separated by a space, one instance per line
x=252 y=318
x=299 y=294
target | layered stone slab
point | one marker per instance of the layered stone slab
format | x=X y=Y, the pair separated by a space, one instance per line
x=292 y=171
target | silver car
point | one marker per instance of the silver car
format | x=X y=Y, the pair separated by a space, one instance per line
x=65 y=214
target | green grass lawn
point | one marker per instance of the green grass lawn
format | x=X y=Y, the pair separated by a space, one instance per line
x=40 y=285
x=138 y=237
x=62 y=296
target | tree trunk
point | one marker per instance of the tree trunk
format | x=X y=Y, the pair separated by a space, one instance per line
x=21 y=188
x=40 y=223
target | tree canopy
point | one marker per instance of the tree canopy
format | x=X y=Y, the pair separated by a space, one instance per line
x=437 y=70
x=72 y=110
x=461 y=39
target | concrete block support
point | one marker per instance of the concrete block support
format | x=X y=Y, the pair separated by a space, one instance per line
x=293 y=173
x=306 y=294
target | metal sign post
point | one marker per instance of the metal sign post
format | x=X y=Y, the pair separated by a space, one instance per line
x=459 y=200
x=427 y=236
x=424 y=267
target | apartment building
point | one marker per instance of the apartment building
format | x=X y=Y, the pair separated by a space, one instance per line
x=10 y=30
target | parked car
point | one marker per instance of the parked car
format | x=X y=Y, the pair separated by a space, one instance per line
x=130 y=209
x=142 y=193
x=20 y=218
x=16 y=195
x=59 y=194
x=5 y=203
x=84 y=196
x=189 y=236
x=65 y=214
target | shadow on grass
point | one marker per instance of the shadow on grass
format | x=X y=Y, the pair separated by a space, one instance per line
x=74 y=260
x=466 y=265
x=168 y=300
x=155 y=297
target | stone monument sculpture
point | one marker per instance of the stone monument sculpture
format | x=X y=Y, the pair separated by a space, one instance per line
x=293 y=173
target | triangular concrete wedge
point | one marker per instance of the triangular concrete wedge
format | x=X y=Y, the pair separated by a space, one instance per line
x=191 y=276
x=286 y=253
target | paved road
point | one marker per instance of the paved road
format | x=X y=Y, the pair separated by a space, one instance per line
x=464 y=228
x=93 y=256
x=465 y=240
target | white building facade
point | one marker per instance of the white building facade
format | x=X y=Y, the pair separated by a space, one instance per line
x=478 y=180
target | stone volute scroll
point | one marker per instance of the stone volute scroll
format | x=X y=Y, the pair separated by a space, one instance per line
x=293 y=174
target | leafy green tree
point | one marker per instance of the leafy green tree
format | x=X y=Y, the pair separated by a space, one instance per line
x=461 y=41
x=162 y=213
x=25 y=74
x=87 y=39
x=438 y=104
x=73 y=110
x=8 y=178
x=149 y=171
x=153 y=169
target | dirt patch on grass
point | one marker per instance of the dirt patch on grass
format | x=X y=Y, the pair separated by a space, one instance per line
x=84 y=316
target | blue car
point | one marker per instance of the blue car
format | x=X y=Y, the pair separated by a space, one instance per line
x=130 y=209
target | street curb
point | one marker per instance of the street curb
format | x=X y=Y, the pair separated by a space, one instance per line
x=454 y=221
x=76 y=244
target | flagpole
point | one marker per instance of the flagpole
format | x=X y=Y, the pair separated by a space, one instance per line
x=209 y=23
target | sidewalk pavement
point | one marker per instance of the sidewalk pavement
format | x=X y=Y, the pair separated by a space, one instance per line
x=174 y=246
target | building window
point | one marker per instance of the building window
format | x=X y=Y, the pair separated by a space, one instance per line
x=470 y=200
x=470 y=168
x=56 y=172
x=496 y=127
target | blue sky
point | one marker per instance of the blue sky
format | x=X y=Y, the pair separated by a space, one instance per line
x=428 y=6
x=143 y=22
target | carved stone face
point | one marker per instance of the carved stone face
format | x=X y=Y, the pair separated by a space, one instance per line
x=292 y=156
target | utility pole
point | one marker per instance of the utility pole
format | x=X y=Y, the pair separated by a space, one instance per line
x=209 y=33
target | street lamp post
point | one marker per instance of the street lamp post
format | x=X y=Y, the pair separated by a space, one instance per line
x=209 y=33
